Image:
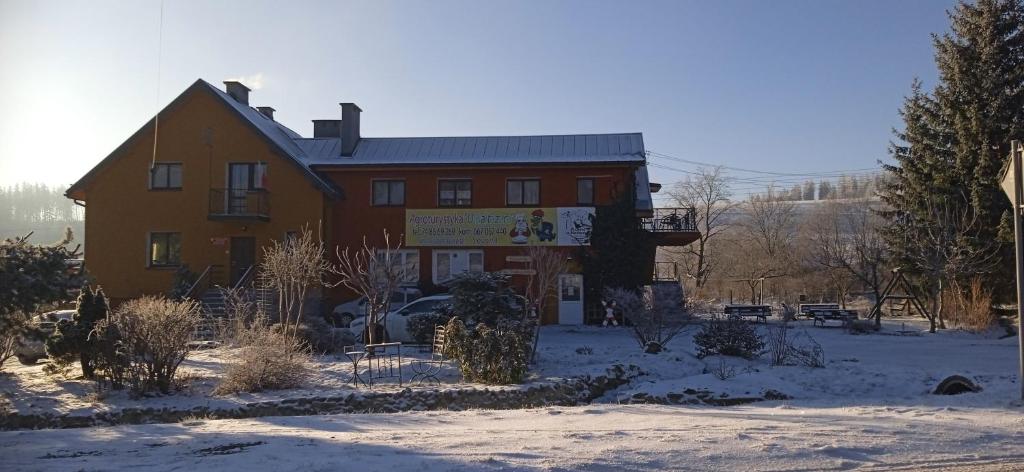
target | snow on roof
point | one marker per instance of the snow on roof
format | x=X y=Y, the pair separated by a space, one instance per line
x=624 y=147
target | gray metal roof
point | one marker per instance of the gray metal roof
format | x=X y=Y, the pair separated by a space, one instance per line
x=624 y=147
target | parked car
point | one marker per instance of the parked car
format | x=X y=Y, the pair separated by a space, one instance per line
x=30 y=350
x=396 y=321
x=343 y=314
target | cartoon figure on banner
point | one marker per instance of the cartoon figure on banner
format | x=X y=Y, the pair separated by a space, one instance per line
x=520 y=233
x=578 y=225
x=609 y=313
x=544 y=230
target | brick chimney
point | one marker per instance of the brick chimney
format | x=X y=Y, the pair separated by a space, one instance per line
x=267 y=111
x=237 y=91
x=349 y=128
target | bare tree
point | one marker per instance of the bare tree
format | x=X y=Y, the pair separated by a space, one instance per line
x=764 y=243
x=948 y=250
x=709 y=195
x=546 y=263
x=373 y=273
x=844 y=241
x=293 y=268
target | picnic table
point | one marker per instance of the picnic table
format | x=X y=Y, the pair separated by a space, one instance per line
x=758 y=312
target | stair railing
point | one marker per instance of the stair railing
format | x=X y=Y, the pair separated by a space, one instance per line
x=203 y=277
x=246 y=278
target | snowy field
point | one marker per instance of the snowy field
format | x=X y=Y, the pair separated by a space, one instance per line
x=593 y=438
x=870 y=407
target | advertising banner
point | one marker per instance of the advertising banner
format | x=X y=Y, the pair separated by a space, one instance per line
x=563 y=226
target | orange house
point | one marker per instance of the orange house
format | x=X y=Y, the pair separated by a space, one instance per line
x=225 y=179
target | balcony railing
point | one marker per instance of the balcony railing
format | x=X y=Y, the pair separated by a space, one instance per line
x=239 y=204
x=669 y=220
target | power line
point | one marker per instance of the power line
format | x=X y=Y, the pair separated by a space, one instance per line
x=754 y=171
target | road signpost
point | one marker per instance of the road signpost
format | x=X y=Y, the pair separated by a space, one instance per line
x=1011 y=183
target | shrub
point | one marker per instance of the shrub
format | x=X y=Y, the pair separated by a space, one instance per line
x=421 y=326
x=323 y=338
x=483 y=297
x=657 y=315
x=267 y=360
x=800 y=349
x=152 y=335
x=489 y=355
x=978 y=315
x=861 y=327
x=70 y=340
x=729 y=337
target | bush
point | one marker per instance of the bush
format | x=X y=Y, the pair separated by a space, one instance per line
x=266 y=360
x=70 y=340
x=799 y=349
x=323 y=338
x=489 y=355
x=421 y=326
x=483 y=297
x=729 y=337
x=151 y=336
x=861 y=327
x=978 y=315
x=657 y=315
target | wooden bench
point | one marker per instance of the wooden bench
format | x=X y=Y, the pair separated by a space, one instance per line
x=804 y=310
x=426 y=370
x=758 y=312
x=822 y=315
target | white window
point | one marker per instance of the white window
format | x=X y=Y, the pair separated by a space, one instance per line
x=449 y=263
x=409 y=260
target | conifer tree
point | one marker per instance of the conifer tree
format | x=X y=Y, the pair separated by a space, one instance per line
x=954 y=140
x=71 y=340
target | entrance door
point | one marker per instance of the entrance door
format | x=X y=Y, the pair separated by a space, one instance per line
x=570 y=299
x=243 y=256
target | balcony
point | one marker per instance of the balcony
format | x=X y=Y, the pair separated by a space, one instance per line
x=239 y=204
x=672 y=226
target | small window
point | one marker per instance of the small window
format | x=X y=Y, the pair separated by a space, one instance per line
x=452 y=193
x=522 y=192
x=165 y=176
x=164 y=249
x=585 y=191
x=388 y=192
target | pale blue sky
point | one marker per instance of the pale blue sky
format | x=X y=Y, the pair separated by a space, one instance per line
x=785 y=86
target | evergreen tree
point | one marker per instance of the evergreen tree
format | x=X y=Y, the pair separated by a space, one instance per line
x=825 y=190
x=72 y=339
x=809 y=190
x=955 y=140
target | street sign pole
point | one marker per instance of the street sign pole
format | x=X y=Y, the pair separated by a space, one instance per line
x=1018 y=235
x=1011 y=183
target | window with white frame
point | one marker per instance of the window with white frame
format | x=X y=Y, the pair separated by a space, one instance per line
x=409 y=260
x=449 y=263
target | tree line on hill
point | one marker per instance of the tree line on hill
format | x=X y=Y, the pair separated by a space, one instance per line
x=39 y=209
x=845 y=187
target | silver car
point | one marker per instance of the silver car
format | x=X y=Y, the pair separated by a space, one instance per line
x=343 y=314
x=30 y=350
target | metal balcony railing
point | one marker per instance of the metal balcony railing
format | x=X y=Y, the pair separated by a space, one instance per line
x=233 y=203
x=666 y=220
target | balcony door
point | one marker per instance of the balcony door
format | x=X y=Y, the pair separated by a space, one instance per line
x=243 y=179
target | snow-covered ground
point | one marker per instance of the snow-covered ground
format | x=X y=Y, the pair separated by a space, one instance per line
x=592 y=438
x=870 y=408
